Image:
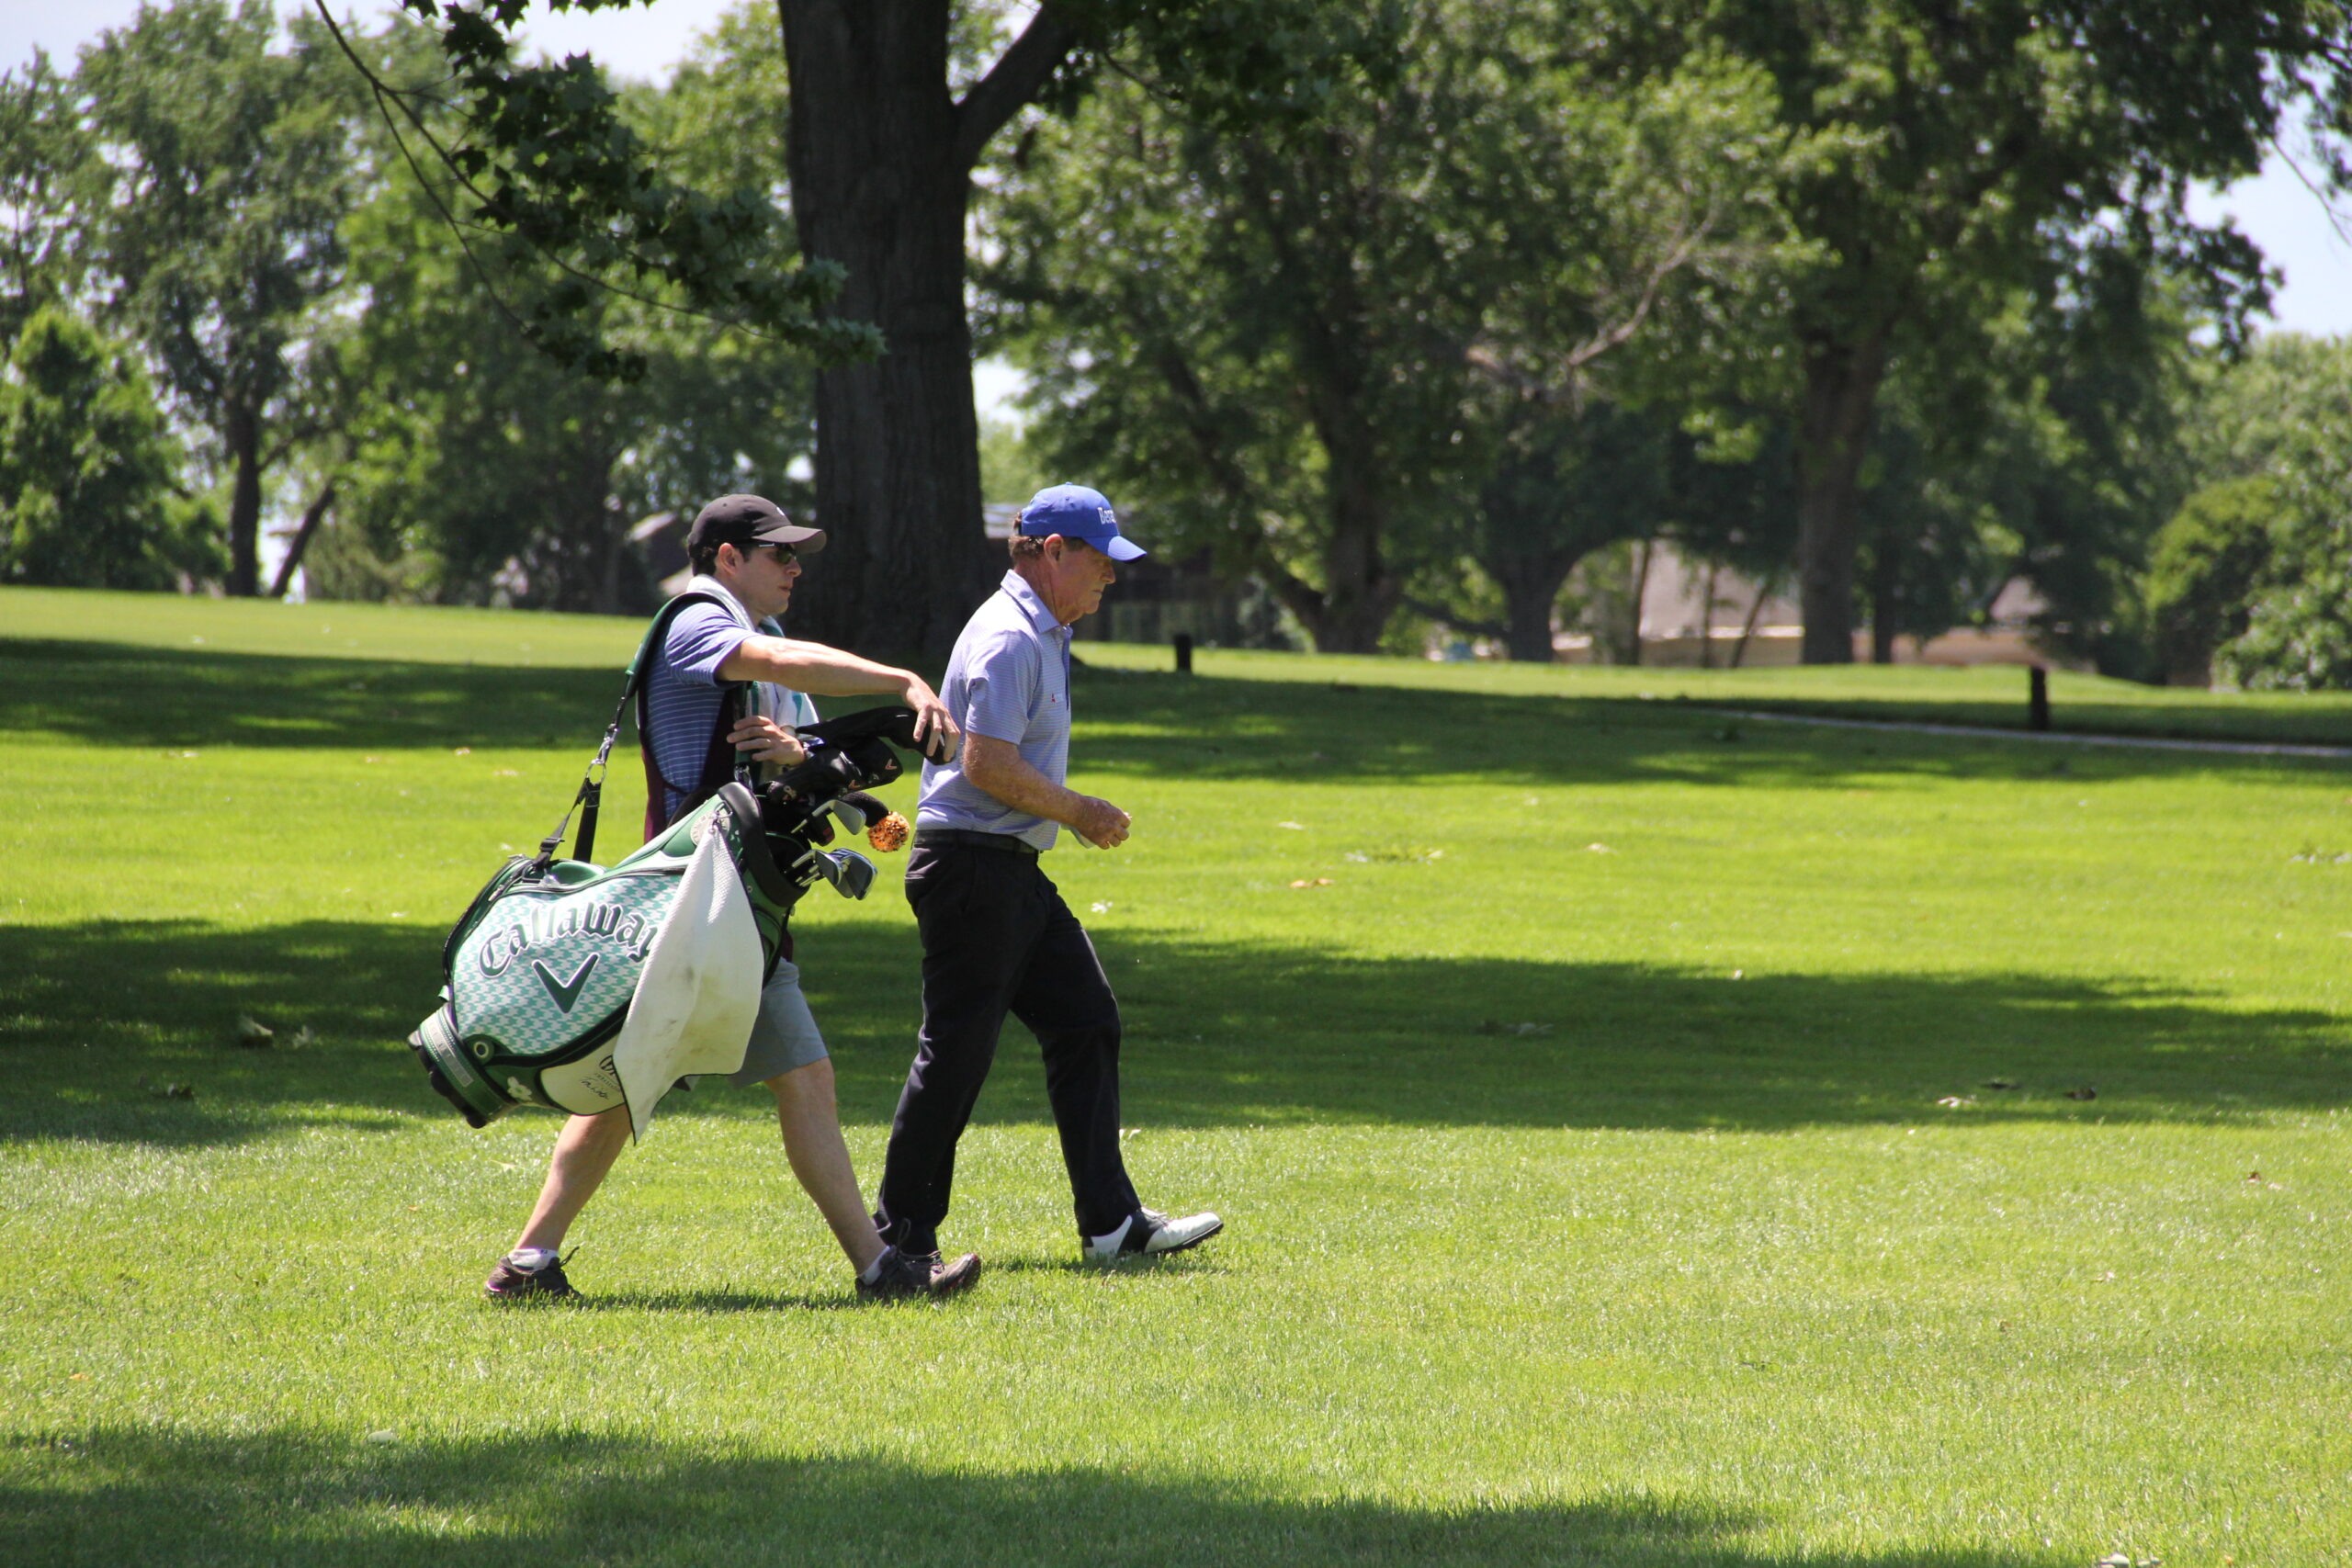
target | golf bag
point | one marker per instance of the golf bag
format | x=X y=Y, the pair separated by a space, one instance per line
x=583 y=988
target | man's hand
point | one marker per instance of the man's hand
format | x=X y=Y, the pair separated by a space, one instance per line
x=933 y=728
x=765 y=740
x=1099 y=822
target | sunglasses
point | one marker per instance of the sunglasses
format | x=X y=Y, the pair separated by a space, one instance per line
x=783 y=552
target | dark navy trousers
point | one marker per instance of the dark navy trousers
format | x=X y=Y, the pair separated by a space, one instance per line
x=996 y=938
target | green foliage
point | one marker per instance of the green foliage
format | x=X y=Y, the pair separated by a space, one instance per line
x=2253 y=570
x=2205 y=567
x=1011 y=469
x=480 y=466
x=216 y=222
x=44 y=155
x=1962 y=156
x=551 y=158
x=89 y=470
x=1303 y=336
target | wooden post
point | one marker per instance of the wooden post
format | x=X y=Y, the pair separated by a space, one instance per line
x=2037 y=697
x=1183 y=653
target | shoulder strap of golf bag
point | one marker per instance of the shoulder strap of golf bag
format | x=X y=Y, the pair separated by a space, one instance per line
x=591 y=785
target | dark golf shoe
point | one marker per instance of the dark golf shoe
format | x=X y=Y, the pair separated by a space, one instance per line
x=546 y=1284
x=906 y=1275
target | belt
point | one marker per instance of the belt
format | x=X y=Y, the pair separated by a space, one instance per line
x=941 y=836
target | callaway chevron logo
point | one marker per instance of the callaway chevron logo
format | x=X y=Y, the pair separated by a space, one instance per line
x=565 y=992
x=605 y=920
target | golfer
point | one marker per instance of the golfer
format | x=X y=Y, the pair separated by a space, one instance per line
x=996 y=936
x=746 y=556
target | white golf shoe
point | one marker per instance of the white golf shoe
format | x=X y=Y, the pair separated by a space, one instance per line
x=1150 y=1234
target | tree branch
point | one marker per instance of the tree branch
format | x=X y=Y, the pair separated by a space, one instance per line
x=1431 y=611
x=312 y=516
x=1016 y=78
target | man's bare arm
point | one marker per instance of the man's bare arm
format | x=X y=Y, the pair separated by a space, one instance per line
x=825 y=671
x=996 y=766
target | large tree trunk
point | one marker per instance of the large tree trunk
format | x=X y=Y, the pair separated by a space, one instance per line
x=1360 y=592
x=1841 y=383
x=1884 y=604
x=1528 y=598
x=243 y=436
x=880 y=157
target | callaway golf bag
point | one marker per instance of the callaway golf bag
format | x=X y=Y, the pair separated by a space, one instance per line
x=581 y=987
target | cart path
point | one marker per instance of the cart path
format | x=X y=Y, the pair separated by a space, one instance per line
x=2229 y=748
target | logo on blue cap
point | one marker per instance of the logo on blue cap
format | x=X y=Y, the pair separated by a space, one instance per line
x=1076 y=513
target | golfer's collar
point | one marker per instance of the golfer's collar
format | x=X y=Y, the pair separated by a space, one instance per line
x=711 y=585
x=1017 y=587
x=703 y=583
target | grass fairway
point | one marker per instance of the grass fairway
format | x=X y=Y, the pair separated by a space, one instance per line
x=1601 y=1098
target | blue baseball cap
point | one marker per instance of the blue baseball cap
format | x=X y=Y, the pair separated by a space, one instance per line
x=1076 y=513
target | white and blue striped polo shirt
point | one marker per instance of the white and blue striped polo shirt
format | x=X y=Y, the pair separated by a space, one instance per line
x=1009 y=680
x=683 y=693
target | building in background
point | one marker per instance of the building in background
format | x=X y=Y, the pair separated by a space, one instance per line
x=1694 y=612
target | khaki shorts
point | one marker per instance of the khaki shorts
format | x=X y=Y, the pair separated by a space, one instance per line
x=785 y=1035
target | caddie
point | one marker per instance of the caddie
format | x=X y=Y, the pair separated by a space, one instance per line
x=997 y=937
x=726 y=683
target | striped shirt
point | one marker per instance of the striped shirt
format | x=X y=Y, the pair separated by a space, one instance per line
x=683 y=695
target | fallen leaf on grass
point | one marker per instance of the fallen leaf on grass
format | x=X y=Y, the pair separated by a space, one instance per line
x=1954 y=1101
x=2086 y=1092
x=2254 y=1175
x=1103 y=907
x=500 y=773
x=168 y=1090
x=79 y=1376
x=302 y=1039
x=463 y=751
x=1312 y=882
x=253 y=1036
x=1296 y=827
x=1597 y=848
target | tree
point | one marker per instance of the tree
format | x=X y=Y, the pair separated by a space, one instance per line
x=881 y=154
x=214 y=221
x=1956 y=143
x=2253 y=569
x=1312 y=339
x=43 y=155
x=893 y=103
x=89 y=470
x=476 y=465
x=2208 y=566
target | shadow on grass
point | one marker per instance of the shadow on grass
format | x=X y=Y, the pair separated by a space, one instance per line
x=1220 y=1034
x=1183 y=726
x=1130 y=722
x=125 y=1495
x=100 y=693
